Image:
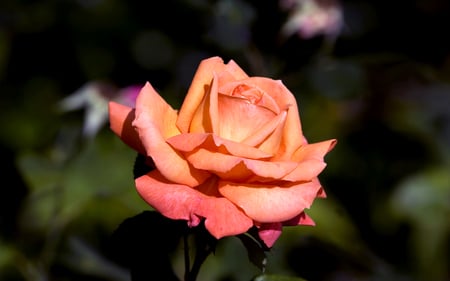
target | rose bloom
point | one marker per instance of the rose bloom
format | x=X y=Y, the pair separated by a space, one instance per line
x=234 y=155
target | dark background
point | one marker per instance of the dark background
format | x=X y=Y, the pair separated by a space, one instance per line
x=380 y=86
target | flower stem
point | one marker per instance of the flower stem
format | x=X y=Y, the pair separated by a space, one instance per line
x=186 y=258
x=202 y=251
x=200 y=257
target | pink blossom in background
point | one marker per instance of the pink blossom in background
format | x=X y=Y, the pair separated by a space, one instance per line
x=309 y=18
x=93 y=97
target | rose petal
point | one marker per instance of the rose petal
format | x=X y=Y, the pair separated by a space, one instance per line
x=206 y=117
x=168 y=161
x=271 y=203
x=189 y=142
x=268 y=137
x=310 y=157
x=237 y=168
x=239 y=119
x=321 y=193
x=301 y=219
x=155 y=121
x=316 y=150
x=249 y=90
x=199 y=87
x=292 y=134
x=120 y=118
x=232 y=73
x=306 y=170
x=270 y=232
x=176 y=201
x=163 y=116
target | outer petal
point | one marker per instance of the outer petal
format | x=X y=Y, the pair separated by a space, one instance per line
x=213 y=143
x=168 y=161
x=272 y=203
x=270 y=232
x=161 y=114
x=120 y=118
x=155 y=121
x=310 y=159
x=302 y=219
x=176 y=201
x=199 y=87
x=316 y=150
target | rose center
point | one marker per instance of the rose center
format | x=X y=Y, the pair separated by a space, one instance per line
x=248 y=93
x=240 y=116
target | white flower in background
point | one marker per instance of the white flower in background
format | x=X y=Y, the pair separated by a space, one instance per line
x=94 y=97
x=309 y=18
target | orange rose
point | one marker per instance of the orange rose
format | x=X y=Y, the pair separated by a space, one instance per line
x=234 y=155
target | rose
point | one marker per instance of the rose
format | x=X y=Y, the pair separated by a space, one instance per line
x=233 y=156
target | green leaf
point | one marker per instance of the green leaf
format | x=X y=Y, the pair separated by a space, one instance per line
x=143 y=244
x=256 y=250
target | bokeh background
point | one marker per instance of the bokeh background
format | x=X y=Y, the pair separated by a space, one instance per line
x=376 y=76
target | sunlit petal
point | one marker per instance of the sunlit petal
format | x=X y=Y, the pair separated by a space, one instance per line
x=168 y=161
x=268 y=137
x=231 y=167
x=250 y=117
x=200 y=86
x=267 y=204
x=311 y=160
x=249 y=90
x=156 y=109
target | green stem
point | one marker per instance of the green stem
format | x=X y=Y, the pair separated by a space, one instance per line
x=186 y=257
x=202 y=251
x=200 y=257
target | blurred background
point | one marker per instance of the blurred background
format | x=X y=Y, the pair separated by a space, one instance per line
x=376 y=76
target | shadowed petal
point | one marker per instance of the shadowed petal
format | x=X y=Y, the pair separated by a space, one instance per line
x=121 y=118
x=270 y=232
x=301 y=219
x=213 y=143
x=176 y=201
x=271 y=203
x=206 y=117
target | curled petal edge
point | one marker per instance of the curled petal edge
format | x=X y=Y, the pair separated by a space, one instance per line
x=176 y=201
